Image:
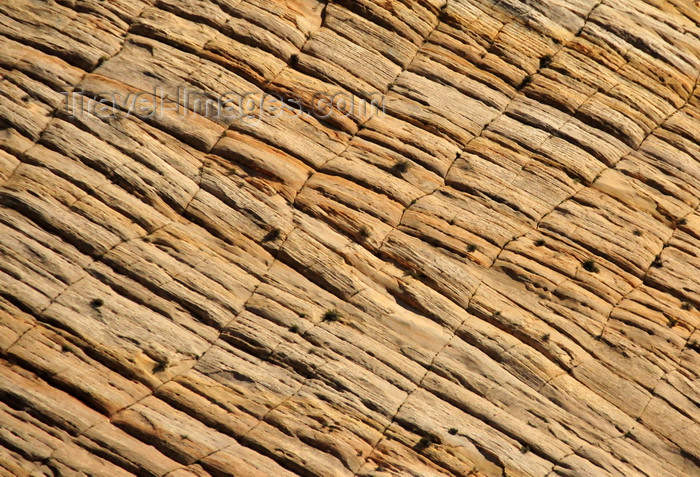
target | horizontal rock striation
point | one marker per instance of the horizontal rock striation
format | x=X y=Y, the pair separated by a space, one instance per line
x=499 y=276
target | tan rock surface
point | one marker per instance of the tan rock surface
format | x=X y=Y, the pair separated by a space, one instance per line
x=512 y=250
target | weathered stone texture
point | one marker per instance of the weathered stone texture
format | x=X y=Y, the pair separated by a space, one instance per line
x=513 y=249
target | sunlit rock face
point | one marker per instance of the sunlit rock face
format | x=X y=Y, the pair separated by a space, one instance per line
x=366 y=238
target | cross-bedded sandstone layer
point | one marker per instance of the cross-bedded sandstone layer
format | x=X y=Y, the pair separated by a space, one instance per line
x=498 y=277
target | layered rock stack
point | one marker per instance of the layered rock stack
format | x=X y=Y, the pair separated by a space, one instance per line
x=494 y=272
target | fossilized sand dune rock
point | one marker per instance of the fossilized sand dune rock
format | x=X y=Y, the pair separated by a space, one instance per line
x=499 y=276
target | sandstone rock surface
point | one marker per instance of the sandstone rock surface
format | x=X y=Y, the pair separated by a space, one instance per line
x=499 y=276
